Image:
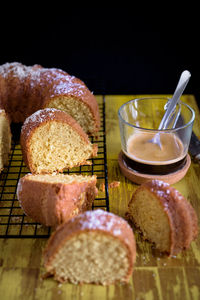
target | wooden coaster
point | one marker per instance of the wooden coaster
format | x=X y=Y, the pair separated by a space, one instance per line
x=140 y=178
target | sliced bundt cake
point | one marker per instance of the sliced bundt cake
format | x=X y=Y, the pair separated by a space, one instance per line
x=164 y=216
x=5 y=139
x=26 y=89
x=51 y=140
x=55 y=198
x=93 y=247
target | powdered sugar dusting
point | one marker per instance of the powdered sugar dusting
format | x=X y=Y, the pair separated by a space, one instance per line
x=17 y=70
x=117 y=231
x=158 y=185
x=102 y=220
x=37 y=118
x=41 y=115
x=59 y=81
x=20 y=71
x=68 y=85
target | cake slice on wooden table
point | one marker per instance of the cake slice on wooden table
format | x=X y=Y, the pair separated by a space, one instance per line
x=55 y=198
x=93 y=247
x=164 y=216
x=5 y=139
x=52 y=141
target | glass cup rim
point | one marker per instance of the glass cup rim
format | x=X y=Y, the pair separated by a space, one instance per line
x=156 y=130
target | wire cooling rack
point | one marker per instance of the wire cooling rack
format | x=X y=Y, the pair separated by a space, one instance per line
x=13 y=222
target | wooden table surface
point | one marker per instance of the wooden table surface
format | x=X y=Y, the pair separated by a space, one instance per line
x=154 y=276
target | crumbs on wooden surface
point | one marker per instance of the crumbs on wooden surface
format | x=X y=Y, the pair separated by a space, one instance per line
x=113 y=184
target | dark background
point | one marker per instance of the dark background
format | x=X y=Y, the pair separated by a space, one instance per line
x=112 y=56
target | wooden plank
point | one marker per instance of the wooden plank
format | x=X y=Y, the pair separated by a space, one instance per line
x=173 y=283
x=146 y=284
x=193 y=278
x=21 y=253
x=18 y=283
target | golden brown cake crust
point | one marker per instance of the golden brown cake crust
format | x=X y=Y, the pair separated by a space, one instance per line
x=181 y=215
x=26 y=89
x=51 y=203
x=41 y=117
x=97 y=221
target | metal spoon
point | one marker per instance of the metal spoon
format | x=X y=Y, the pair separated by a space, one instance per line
x=171 y=105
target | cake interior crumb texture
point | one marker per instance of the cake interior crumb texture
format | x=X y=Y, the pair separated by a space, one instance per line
x=148 y=215
x=77 y=109
x=56 y=146
x=60 y=178
x=91 y=257
x=5 y=140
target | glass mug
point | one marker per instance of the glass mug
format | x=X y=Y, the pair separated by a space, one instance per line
x=139 y=120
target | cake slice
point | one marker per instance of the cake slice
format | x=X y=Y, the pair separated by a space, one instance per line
x=5 y=139
x=164 y=216
x=51 y=199
x=52 y=141
x=93 y=247
x=71 y=95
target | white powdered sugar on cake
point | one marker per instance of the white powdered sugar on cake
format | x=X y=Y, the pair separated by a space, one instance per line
x=18 y=70
x=69 y=86
x=98 y=220
x=35 y=73
x=38 y=117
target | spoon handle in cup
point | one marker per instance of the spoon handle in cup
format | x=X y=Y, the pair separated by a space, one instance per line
x=183 y=81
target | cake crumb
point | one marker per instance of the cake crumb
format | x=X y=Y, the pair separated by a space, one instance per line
x=102 y=187
x=113 y=184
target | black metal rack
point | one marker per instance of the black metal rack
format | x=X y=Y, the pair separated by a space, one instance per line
x=13 y=222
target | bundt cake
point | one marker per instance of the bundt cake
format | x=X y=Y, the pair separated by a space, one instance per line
x=5 y=139
x=24 y=90
x=55 y=198
x=164 y=216
x=51 y=141
x=93 y=247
